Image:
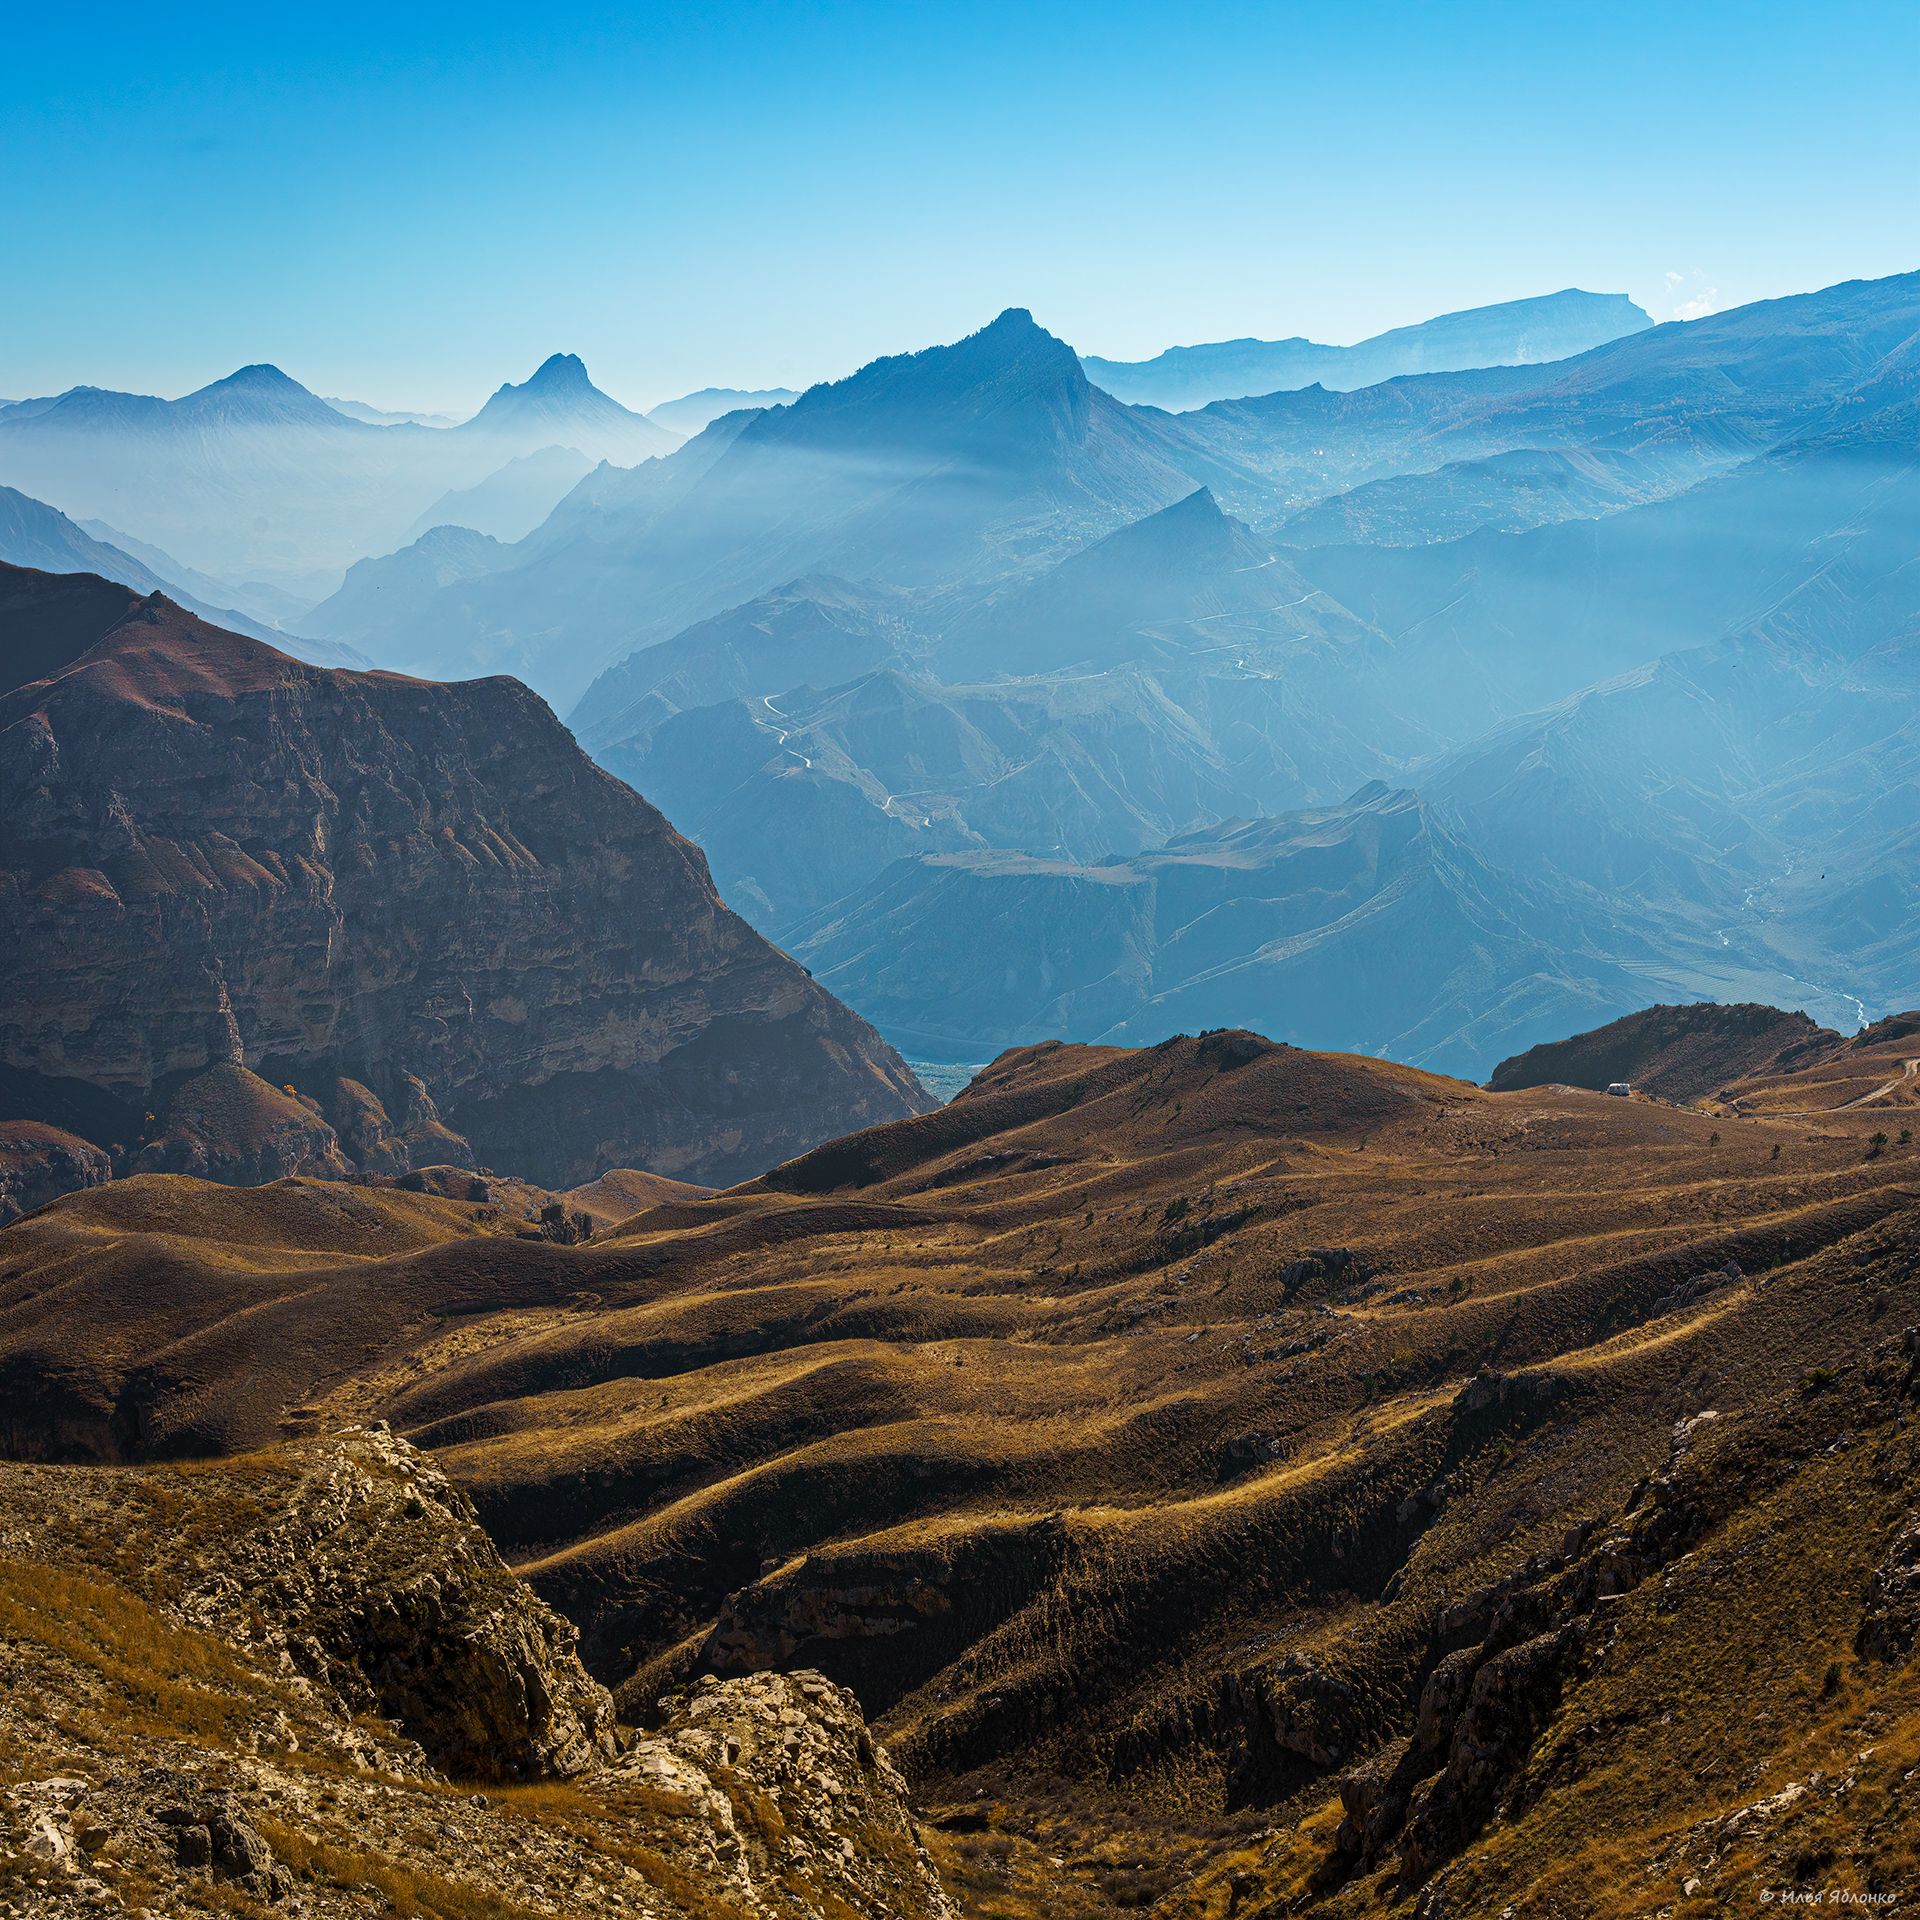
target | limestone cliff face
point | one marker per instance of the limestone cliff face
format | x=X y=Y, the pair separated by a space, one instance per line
x=39 y=1163
x=308 y=1684
x=369 y=1572
x=243 y=899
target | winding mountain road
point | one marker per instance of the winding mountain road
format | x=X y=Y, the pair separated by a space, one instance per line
x=1911 y=1068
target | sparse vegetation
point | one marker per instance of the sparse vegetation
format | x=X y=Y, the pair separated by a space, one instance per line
x=1099 y=1506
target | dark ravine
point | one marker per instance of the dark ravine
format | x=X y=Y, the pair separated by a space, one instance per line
x=264 y=918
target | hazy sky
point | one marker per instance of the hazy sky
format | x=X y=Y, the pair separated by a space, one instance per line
x=408 y=205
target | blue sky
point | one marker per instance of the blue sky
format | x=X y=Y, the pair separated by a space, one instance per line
x=410 y=205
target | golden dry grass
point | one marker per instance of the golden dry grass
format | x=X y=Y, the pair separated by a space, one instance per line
x=1036 y=1421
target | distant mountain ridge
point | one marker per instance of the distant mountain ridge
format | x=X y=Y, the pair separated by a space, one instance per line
x=1639 y=621
x=693 y=412
x=510 y=503
x=255 y=478
x=930 y=472
x=387 y=417
x=33 y=534
x=558 y=405
x=1369 y=927
x=1550 y=326
x=1707 y=393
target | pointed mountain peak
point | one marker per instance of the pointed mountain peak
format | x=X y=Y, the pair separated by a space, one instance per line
x=1194 y=528
x=558 y=385
x=1006 y=392
x=1016 y=334
x=1012 y=355
x=558 y=405
x=1199 y=508
x=558 y=372
x=259 y=394
x=261 y=377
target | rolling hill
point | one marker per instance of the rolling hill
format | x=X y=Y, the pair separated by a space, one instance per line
x=1224 y=1472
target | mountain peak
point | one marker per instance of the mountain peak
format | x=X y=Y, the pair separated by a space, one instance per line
x=261 y=377
x=559 y=370
x=1194 y=530
x=1199 y=508
x=261 y=394
x=1017 y=332
x=1012 y=347
x=559 y=384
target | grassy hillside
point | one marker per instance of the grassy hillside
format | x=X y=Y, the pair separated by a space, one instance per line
x=1226 y=1473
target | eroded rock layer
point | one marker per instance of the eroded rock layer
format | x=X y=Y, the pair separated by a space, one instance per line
x=303 y=1682
x=263 y=918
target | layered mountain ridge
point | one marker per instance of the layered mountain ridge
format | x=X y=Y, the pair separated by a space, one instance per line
x=1640 y=639
x=921 y=471
x=1552 y=326
x=267 y=917
x=254 y=478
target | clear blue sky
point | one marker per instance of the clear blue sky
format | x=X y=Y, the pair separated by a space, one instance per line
x=409 y=205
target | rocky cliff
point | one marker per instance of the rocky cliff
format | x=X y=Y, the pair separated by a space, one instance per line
x=262 y=918
x=303 y=1681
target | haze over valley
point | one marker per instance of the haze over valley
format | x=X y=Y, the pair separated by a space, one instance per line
x=1618 y=643
x=960 y=965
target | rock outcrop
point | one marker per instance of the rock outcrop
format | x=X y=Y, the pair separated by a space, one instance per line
x=372 y=1575
x=39 y=1163
x=263 y=918
x=255 y=1686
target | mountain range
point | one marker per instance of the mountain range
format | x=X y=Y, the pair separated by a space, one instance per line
x=1369 y=927
x=1553 y=326
x=33 y=534
x=254 y=477
x=693 y=412
x=1390 y=1387
x=1665 y=729
x=929 y=472
x=1627 y=634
